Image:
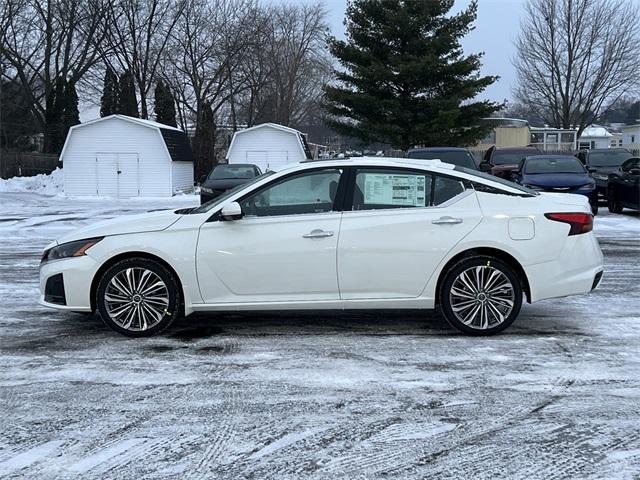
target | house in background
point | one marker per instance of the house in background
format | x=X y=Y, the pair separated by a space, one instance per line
x=269 y=146
x=553 y=139
x=121 y=157
x=631 y=136
x=595 y=136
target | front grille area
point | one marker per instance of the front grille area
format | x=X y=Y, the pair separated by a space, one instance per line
x=54 y=290
x=596 y=280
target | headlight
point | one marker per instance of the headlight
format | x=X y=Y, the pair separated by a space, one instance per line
x=70 y=249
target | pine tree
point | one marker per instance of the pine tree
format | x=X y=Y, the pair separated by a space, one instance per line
x=127 y=101
x=405 y=80
x=71 y=114
x=110 y=93
x=165 y=105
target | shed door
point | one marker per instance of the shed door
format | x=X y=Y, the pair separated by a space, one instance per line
x=107 y=174
x=128 y=175
x=118 y=175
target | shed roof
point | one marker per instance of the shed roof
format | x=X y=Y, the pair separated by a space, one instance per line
x=175 y=140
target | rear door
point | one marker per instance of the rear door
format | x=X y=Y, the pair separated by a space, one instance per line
x=401 y=225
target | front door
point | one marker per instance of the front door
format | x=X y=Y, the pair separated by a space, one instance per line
x=283 y=249
x=401 y=226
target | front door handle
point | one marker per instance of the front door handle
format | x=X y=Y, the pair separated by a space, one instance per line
x=318 y=233
x=447 y=221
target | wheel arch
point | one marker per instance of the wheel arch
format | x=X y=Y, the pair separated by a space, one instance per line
x=126 y=255
x=486 y=251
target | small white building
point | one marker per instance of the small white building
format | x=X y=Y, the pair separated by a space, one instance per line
x=269 y=146
x=595 y=136
x=119 y=156
x=631 y=136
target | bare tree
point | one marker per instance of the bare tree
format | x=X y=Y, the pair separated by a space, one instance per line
x=138 y=34
x=45 y=43
x=575 y=57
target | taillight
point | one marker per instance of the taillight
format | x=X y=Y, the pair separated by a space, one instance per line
x=579 y=222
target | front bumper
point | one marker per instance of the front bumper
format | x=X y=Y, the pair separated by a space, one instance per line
x=76 y=275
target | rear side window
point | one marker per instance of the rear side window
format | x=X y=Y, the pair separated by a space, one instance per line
x=391 y=188
x=445 y=189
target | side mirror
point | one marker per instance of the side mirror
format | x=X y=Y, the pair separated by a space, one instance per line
x=231 y=211
x=485 y=167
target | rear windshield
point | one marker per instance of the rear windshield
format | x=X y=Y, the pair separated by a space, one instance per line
x=462 y=158
x=499 y=180
x=232 y=171
x=553 y=165
x=511 y=156
x=608 y=159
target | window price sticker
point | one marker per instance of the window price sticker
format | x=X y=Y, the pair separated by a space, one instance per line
x=401 y=190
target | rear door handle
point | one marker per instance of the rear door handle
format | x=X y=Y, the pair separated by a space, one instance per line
x=447 y=221
x=318 y=233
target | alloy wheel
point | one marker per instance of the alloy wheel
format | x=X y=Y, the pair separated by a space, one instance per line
x=136 y=299
x=482 y=297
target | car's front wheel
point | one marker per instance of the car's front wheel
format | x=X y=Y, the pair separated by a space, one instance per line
x=138 y=297
x=481 y=295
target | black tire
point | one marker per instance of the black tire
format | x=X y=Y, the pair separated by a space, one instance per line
x=162 y=315
x=511 y=293
x=612 y=201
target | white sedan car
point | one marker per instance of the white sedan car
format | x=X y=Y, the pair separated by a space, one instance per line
x=362 y=233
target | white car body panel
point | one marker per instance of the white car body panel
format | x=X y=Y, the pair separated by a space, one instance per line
x=374 y=259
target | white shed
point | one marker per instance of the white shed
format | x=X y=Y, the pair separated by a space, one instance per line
x=119 y=156
x=595 y=136
x=268 y=145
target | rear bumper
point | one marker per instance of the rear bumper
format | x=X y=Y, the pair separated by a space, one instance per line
x=573 y=272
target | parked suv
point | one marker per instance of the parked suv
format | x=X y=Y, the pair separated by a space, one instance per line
x=224 y=177
x=503 y=161
x=454 y=155
x=624 y=186
x=601 y=162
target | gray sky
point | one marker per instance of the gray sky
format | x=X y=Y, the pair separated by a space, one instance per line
x=497 y=26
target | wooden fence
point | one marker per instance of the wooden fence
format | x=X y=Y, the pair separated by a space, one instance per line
x=26 y=164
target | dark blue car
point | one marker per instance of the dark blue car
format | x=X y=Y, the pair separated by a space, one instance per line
x=557 y=173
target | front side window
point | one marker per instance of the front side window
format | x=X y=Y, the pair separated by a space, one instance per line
x=304 y=193
x=630 y=164
x=391 y=188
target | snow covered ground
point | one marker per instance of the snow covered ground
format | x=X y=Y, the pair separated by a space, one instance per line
x=302 y=395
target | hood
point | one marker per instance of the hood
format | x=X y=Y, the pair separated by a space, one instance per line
x=225 y=183
x=144 y=222
x=556 y=180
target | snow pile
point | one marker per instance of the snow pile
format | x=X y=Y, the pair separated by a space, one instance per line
x=52 y=184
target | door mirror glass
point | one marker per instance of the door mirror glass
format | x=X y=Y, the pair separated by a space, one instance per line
x=231 y=211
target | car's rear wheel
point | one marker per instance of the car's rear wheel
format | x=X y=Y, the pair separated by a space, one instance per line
x=481 y=295
x=138 y=297
x=612 y=201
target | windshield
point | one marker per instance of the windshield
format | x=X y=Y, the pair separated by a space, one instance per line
x=232 y=171
x=608 y=159
x=507 y=157
x=462 y=158
x=205 y=207
x=553 y=165
x=499 y=180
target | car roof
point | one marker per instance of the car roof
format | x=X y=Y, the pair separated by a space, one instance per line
x=434 y=166
x=543 y=156
x=601 y=150
x=516 y=149
x=235 y=165
x=439 y=149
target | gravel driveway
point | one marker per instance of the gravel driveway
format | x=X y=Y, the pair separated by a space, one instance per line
x=335 y=395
